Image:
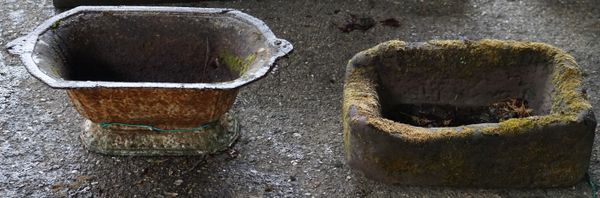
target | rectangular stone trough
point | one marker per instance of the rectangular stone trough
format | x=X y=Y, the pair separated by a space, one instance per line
x=549 y=147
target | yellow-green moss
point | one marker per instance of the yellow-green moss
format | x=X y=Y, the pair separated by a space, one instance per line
x=55 y=25
x=359 y=93
x=389 y=46
x=237 y=64
x=567 y=77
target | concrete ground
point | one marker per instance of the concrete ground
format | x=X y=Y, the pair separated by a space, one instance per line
x=291 y=144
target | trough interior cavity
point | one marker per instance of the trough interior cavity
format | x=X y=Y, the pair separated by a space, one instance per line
x=439 y=87
x=149 y=47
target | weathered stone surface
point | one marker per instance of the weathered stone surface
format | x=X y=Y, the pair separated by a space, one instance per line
x=550 y=149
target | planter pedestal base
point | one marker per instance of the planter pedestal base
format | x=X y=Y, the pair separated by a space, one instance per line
x=117 y=140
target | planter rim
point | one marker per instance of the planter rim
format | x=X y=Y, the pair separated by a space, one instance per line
x=576 y=108
x=25 y=46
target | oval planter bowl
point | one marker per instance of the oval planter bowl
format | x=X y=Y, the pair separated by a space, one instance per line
x=552 y=147
x=152 y=80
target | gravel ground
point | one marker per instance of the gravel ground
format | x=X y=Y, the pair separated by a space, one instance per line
x=291 y=144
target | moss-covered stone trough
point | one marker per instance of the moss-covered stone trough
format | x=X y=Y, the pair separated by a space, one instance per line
x=549 y=147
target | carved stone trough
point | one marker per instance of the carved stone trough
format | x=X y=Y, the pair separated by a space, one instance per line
x=550 y=148
x=152 y=80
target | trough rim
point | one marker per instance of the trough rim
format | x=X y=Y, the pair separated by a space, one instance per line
x=569 y=105
x=24 y=47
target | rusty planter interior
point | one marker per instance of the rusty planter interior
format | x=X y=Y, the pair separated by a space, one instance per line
x=549 y=148
x=142 y=70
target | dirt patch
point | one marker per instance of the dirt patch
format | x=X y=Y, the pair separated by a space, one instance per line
x=391 y=22
x=355 y=22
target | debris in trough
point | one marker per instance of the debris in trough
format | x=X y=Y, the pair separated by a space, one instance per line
x=435 y=115
x=510 y=108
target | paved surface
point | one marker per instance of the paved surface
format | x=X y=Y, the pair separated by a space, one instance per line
x=292 y=136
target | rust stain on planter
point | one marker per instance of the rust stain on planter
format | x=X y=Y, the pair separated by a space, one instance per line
x=162 y=108
x=548 y=150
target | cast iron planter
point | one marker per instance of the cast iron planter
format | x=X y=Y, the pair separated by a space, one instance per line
x=152 y=80
x=550 y=149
